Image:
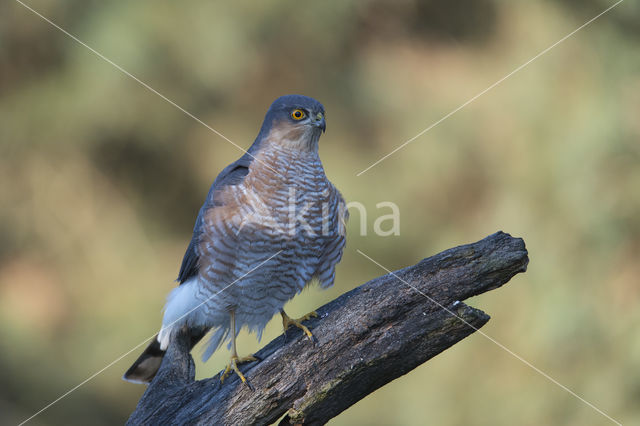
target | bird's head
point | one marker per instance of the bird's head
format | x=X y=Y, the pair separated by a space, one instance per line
x=294 y=121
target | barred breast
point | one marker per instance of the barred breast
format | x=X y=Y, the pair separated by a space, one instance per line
x=274 y=232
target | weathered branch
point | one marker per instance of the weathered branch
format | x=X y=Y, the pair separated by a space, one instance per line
x=366 y=338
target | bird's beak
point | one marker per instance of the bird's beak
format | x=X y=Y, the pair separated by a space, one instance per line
x=319 y=121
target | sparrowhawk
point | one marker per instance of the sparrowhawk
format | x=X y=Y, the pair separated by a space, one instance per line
x=271 y=224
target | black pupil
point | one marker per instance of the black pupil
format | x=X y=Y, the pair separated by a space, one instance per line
x=298 y=114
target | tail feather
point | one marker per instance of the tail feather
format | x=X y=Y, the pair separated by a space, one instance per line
x=145 y=368
x=215 y=341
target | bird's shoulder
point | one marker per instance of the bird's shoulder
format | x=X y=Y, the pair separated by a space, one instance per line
x=231 y=175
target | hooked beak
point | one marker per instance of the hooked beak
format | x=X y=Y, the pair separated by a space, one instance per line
x=319 y=121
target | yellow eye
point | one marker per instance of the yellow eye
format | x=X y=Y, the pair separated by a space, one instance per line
x=298 y=114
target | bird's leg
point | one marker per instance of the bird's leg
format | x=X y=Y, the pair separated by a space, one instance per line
x=287 y=321
x=235 y=360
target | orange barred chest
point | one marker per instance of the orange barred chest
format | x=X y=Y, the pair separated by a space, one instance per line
x=292 y=200
x=296 y=214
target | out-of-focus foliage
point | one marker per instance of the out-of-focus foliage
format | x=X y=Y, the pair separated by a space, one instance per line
x=101 y=179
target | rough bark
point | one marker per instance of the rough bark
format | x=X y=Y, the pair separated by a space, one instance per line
x=366 y=338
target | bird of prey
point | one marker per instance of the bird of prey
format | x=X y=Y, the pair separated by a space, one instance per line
x=271 y=224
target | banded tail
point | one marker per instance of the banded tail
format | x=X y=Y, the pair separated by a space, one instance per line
x=145 y=368
x=181 y=309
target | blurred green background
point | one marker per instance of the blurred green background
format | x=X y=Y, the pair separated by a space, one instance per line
x=101 y=180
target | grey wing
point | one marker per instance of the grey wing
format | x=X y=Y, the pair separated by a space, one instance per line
x=335 y=245
x=233 y=174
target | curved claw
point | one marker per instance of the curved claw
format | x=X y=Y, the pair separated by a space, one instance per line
x=287 y=321
x=233 y=365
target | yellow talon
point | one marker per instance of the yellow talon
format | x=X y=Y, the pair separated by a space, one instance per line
x=287 y=321
x=233 y=365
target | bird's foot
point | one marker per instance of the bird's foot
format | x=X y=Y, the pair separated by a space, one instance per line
x=233 y=365
x=287 y=321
